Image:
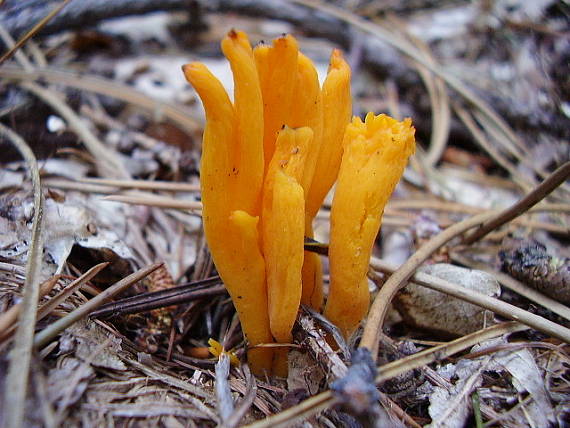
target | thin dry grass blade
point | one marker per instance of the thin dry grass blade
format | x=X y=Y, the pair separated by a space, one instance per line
x=18 y=372
x=9 y=318
x=44 y=336
x=70 y=289
x=498 y=306
x=155 y=201
x=106 y=87
x=34 y=30
x=145 y=184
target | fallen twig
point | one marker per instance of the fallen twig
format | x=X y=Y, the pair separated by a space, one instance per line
x=160 y=299
x=42 y=23
x=44 y=336
x=326 y=399
x=398 y=279
x=498 y=306
x=535 y=196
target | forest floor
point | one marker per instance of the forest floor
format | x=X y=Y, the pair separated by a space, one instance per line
x=110 y=134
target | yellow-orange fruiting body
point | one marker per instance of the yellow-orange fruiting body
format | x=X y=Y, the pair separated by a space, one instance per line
x=292 y=96
x=268 y=161
x=312 y=278
x=277 y=67
x=231 y=180
x=248 y=166
x=308 y=111
x=284 y=228
x=307 y=106
x=375 y=154
x=337 y=110
x=336 y=106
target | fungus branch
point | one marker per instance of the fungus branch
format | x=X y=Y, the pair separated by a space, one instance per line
x=375 y=154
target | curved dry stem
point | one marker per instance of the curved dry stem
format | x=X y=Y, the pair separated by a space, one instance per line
x=326 y=399
x=535 y=196
x=498 y=306
x=107 y=161
x=102 y=86
x=489 y=222
x=398 y=279
x=44 y=336
x=20 y=357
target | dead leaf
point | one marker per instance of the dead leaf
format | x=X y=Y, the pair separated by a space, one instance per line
x=89 y=342
x=526 y=377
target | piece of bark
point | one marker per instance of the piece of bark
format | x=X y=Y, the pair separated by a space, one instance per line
x=528 y=261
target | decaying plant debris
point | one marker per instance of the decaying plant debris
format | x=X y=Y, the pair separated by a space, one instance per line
x=115 y=132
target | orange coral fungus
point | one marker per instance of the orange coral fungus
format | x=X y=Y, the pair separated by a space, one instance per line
x=231 y=182
x=375 y=154
x=283 y=230
x=337 y=108
x=283 y=215
x=268 y=161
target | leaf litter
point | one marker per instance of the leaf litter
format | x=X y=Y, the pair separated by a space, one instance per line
x=142 y=368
